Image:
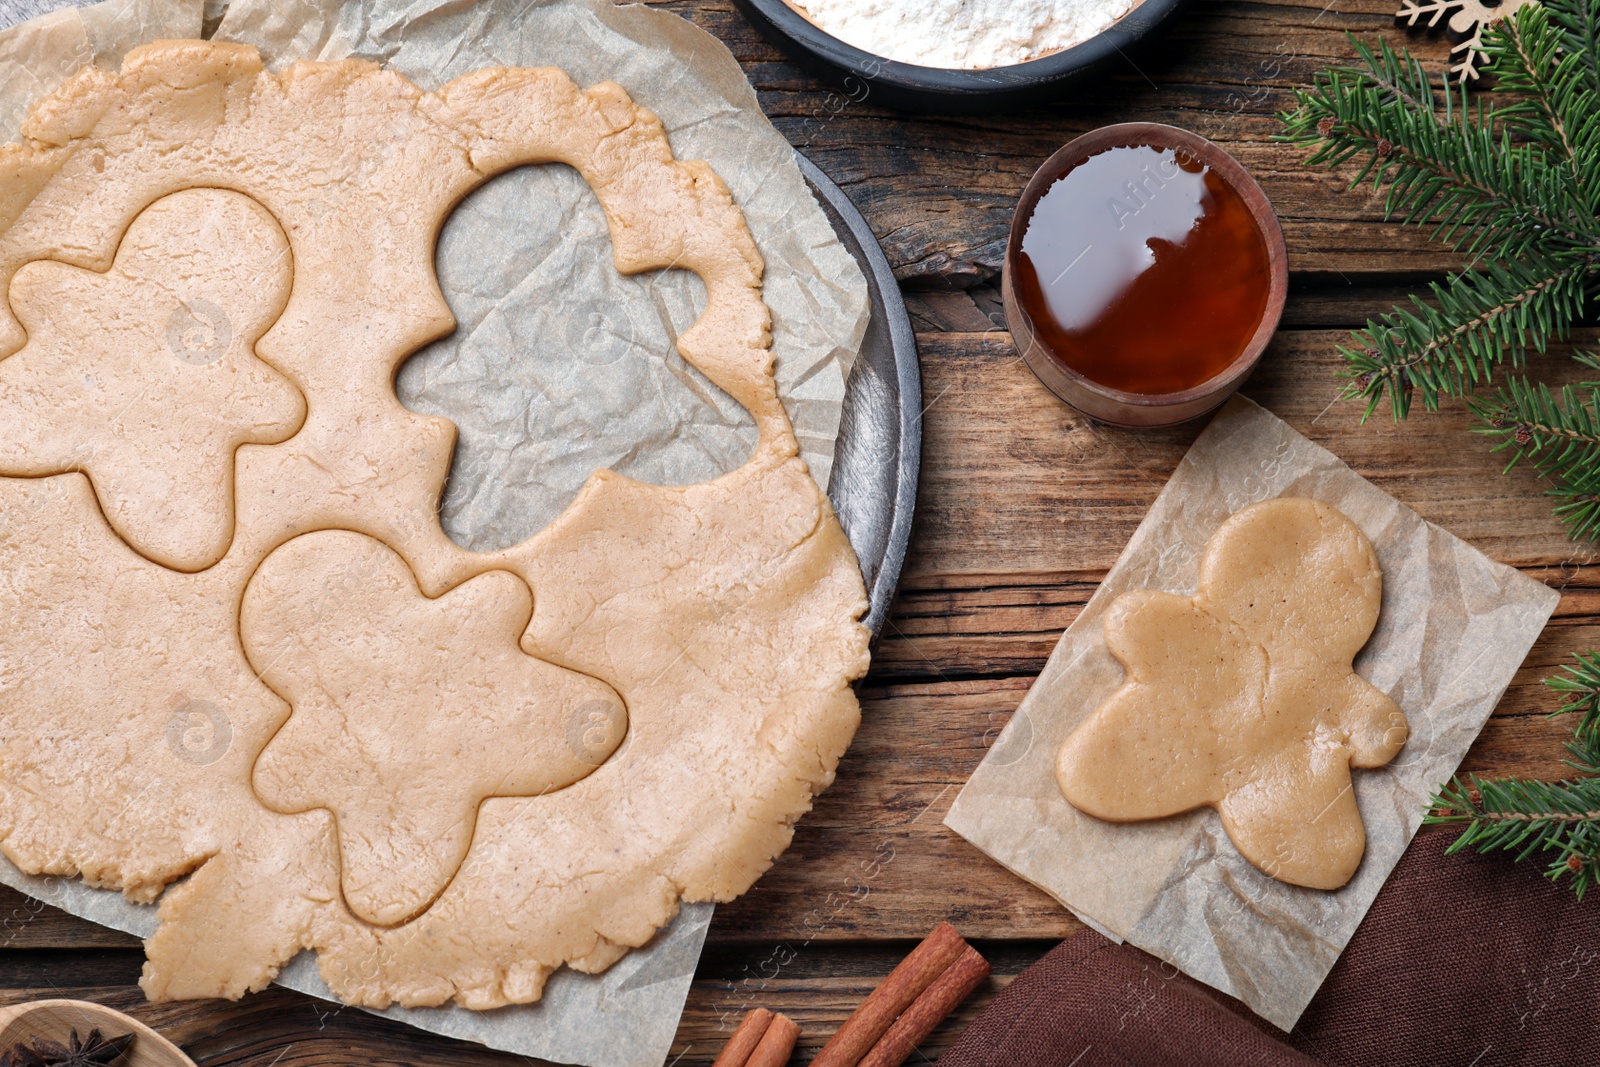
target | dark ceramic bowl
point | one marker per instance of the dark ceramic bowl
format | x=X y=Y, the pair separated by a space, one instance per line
x=864 y=77
x=1116 y=406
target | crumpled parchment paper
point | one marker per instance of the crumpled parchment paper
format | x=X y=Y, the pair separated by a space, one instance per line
x=1454 y=627
x=59 y=38
x=525 y=263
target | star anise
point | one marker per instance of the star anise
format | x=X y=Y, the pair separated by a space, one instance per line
x=96 y=1050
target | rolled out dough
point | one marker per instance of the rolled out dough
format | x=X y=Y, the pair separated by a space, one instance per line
x=447 y=772
x=1243 y=697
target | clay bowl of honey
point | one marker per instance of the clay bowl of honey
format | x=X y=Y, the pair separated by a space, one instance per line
x=1145 y=274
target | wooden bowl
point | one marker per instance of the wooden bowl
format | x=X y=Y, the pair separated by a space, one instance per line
x=867 y=78
x=56 y=1019
x=1116 y=406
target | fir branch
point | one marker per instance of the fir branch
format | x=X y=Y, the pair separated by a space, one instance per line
x=1400 y=74
x=1529 y=817
x=1579 y=494
x=1579 y=24
x=1484 y=194
x=1527 y=416
x=1538 y=816
x=1557 y=106
x=1523 y=55
x=1559 y=436
x=1581 y=684
x=1478 y=321
x=1516 y=186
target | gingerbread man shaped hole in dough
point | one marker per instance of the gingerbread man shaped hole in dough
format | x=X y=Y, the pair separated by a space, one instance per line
x=146 y=378
x=1243 y=697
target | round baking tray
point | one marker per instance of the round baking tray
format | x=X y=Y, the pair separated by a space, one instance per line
x=874 y=489
x=865 y=77
x=879 y=452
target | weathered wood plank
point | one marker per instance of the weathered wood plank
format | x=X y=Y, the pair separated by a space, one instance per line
x=1004 y=626
x=1015 y=482
x=27 y=924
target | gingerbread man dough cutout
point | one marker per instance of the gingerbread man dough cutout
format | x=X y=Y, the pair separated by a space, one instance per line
x=409 y=712
x=145 y=377
x=1243 y=697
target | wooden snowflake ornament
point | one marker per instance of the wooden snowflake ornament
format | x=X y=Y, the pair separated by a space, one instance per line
x=1465 y=26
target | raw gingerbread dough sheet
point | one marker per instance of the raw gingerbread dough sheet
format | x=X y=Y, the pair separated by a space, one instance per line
x=690 y=648
x=626 y=1016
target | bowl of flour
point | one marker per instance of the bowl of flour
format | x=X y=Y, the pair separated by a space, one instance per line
x=956 y=56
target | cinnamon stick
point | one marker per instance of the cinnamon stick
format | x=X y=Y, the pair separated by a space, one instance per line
x=777 y=1044
x=737 y=1052
x=928 y=1011
x=938 y=951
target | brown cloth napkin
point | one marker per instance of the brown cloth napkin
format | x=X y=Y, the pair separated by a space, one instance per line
x=1463 y=960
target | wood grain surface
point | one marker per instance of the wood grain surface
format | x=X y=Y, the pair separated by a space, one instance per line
x=1023 y=507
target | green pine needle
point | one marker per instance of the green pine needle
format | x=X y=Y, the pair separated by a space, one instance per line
x=1559 y=435
x=1578 y=23
x=1476 y=322
x=1531 y=817
x=1512 y=181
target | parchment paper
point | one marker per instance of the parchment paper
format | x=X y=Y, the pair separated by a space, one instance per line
x=525 y=263
x=1454 y=627
x=59 y=39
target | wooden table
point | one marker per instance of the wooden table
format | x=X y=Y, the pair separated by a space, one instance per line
x=1023 y=507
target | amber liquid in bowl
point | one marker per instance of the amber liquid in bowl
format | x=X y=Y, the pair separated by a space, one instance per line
x=1143 y=270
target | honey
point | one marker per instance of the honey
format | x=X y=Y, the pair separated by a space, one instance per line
x=1143 y=270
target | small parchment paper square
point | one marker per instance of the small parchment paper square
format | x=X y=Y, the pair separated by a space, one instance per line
x=1454 y=627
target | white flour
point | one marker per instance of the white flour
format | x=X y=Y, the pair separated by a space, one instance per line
x=963 y=34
